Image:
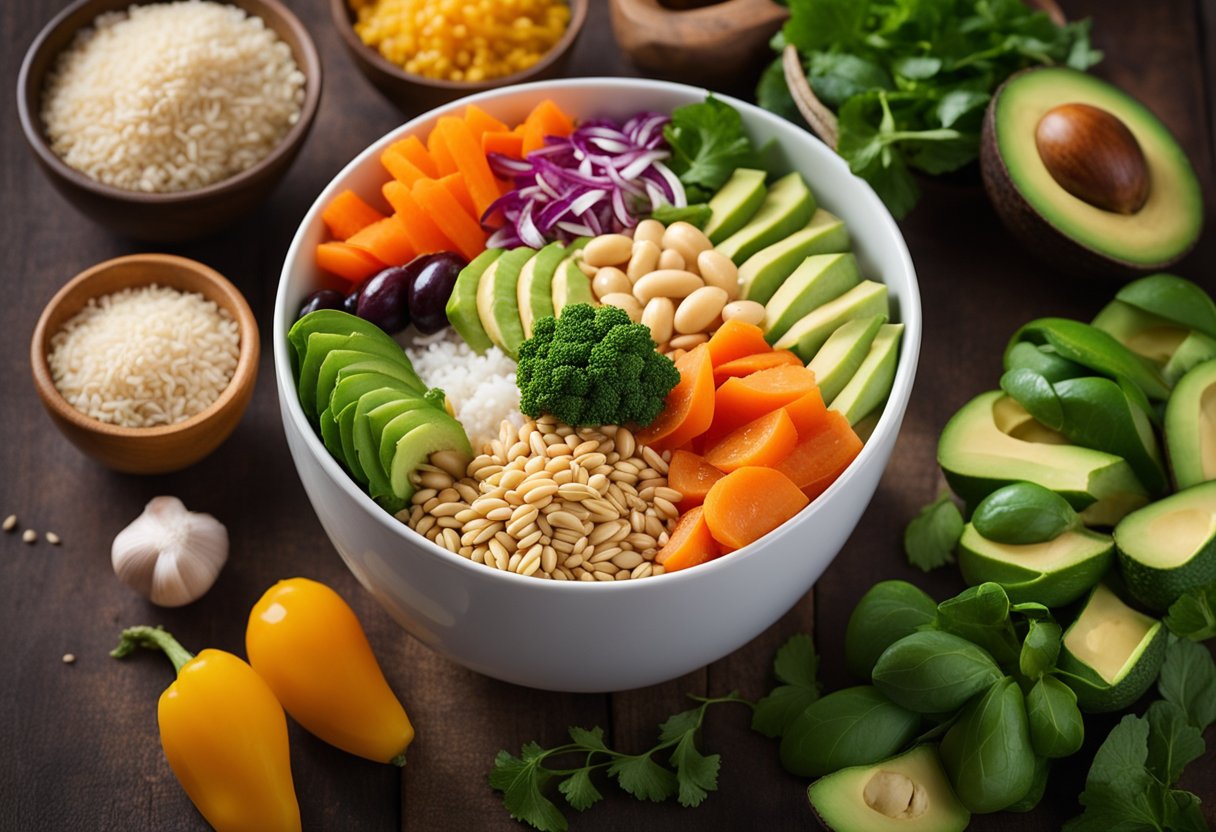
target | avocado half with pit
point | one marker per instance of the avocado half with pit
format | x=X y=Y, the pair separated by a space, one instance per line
x=909 y=792
x=1086 y=176
x=1111 y=654
x=1169 y=547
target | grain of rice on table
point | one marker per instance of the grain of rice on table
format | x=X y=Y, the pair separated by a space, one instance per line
x=171 y=96
x=552 y=501
x=145 y=356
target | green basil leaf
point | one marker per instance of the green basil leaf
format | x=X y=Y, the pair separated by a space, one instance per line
x=932 y=672
x=1023 y=513
x=887 y=612
x=1040 y=648
x=931 y=536
x=987 y=752
x=1032 y=798
x=957 y=104
x=1034 y=392
x=854 y=726
x=1042 y=359
x=980 y=614
x=1057 y=728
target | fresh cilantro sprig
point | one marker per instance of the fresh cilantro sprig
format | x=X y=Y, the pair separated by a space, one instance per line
x=1193 y=615
x=688 y=774
x=797 y=665
x=931 y=536
x=707 y=143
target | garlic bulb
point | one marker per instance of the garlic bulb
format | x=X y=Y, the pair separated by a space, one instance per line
x=169 y=554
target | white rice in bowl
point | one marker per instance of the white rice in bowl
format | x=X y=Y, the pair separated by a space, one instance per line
x=480 y=388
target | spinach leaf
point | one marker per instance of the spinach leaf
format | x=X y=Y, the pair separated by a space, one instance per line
x=931 y=536
x=987 y=752
x=1040 y=648
x=1193 y=615
x=887 y=612
x=854 y=726
x=1023 y=513
x=980 y=614
x=932 y=672
x=1188 y=679
x=1057 y=728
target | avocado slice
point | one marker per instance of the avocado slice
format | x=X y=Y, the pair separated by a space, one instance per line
x=905 y=793
x=840 y=356
x=766 y=271
x=497 y=301
x=333 y=321
x=871 y=384
x=1054 y=573
x=321 y=344
x=1194 y=350
x=805 y=337
x=462 y=304
x=415 y=446
x=346 y=416
x=735 y=203
x=1169 y=547
x=1173 y=298
x=570 y=286
x=534 y=292
x=1190 y=427
x=820 y=278
x=992 y=441
x=1061 y=227
x=1142 y=332
x=339 y=364
x=1111 y=654
x=367 y=444
x=787 y=206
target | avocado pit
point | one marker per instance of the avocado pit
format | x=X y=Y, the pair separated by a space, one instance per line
x=1093 y=155
x=895 y=795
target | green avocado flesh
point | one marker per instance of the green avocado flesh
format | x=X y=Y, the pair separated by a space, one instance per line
x=809 y=333
x=534 y=292
x=1111 y=654
x=909 y=792
x=840 y=356
x=497 y=302
x=787 y=207
x=767 y=271
x=1190 y=427
x=570 y=286
x=820 y=278
x=1172 y=217
x=871 y=384
x=462 y=304
x=1169 y=547
x=1054 y=573
x=991 y=442
x=735 y=203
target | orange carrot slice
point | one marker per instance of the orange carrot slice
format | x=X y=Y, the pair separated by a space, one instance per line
x=807 y=413
x=346 y=214
x=742 y=400
x=690 y=544
x=748 y=503
x=471 y=161
x=546 y=119
x=481 y=122
x=819 y=458
x=692 y=476
x=453 y=220
x=386 y=240
x=734 y=340
x=749 y=364
x=506 y=143
x=423 y=233
x=764 y=442
x=346 y=261
x=437 y=147
x=412 y=148
x=458 y=187
x=401 y=168
x=689 y=408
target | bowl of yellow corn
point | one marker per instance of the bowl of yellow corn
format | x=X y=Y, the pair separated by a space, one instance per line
x=423 y=53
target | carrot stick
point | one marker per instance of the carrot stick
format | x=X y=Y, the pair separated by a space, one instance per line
x=690 y=544
x=481 y=122
x=458 y=187
x=506 y=143
x=742 y=400
x=455 y=223
x=748 y=503
x=764 y=442
x=692 y=476
x=546 y=119
x=401 y=168
x=412 y=148
x=386 y=240
x=438 y=150
x=346 y=214
x=819 y=458
x=749 y=364
x=735 y=339
x=689 y=409
x=347 y=262
x=424 y=235
x=471 y=162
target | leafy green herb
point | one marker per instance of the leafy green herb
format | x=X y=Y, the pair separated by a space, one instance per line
x=887 y=612
x=1172 y=741
x=987 y=752
x=930 y=538
x=797 y=665
x=1040 y=648
x=909 y=80
x=1022 y=513
x=523 y=780
x=1193 y=615
x=707 y=143
x=932 y=672
x=1188 y=679
x=697 y=214
x=980 y=614
x=1057 y=728
x=854 y=726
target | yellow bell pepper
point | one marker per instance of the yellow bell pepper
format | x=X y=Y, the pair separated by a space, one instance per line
x=224 y=735
x=306 y=642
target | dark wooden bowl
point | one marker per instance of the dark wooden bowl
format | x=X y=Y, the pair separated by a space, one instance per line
x=170 y=217
x=414 y=94
x=162 y=448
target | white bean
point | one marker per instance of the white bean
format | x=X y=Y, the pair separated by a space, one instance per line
x=699 y=309
x=645 y=258
x=687 y=239
x=651 y=230
x=671 y=259
x=747 y=311
x=718 y=270
x=659 y=315
x=610 y=279
x=608 y=250
x=667 y=283
x=625 y=301
x=687 y=342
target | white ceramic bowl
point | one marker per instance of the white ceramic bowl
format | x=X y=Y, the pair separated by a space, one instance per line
x=599 y=636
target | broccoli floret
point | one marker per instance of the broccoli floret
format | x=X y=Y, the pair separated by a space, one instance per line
x=593 y=366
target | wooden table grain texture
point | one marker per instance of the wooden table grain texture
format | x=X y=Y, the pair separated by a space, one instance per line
x=78 y=743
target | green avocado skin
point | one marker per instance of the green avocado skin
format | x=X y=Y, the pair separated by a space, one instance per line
x=1184 y=426
x=1136 y=537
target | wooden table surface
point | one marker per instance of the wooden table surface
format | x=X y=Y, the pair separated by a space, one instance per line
x=78 y=743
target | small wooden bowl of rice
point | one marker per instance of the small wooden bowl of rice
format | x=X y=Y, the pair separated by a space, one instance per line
x=146 y=362
x=167 y=120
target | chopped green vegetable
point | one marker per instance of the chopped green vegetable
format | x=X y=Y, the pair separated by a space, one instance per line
x=1193 y=615
x=707 y=143
x=797 y=665
x=1188 y=679
x=909 y=80
x=593 y=366
x=697 y=214
x=930 y=538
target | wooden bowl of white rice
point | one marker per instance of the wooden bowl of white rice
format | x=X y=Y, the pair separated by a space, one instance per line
x=146 y=362
x=167 y=120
